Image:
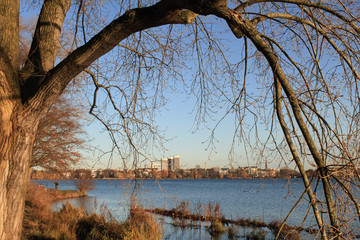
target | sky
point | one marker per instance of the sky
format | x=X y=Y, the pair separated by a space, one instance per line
x=176 y=119
x=191 y=142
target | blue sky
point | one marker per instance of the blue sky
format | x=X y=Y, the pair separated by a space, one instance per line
x=177 y=120
x=191 y=143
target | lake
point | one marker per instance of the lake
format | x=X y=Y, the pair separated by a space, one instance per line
x=262 y=199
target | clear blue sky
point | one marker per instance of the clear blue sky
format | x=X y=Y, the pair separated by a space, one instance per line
x=177 y=120
x=191 y=143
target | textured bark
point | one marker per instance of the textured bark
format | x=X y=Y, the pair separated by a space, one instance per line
x=9 y=92
x=44 y=46
x=15 y=151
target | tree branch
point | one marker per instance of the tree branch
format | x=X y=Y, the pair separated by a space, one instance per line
x=131 y=22
x=45 y=45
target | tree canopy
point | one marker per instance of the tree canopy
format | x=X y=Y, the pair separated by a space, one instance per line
x=60 y=137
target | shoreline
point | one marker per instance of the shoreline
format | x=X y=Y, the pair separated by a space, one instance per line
x=71 y=179
x=54 y=195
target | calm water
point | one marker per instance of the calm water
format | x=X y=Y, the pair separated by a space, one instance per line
x=265 y=200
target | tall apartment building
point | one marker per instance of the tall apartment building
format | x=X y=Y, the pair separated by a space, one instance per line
x=170 y=163
x=176 y=162
x=171 y=166
x=164 y=164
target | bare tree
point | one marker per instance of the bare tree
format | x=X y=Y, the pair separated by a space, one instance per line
x=60 y=137
x=303 y=55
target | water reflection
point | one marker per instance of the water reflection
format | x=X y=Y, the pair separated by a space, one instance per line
x=87 y=203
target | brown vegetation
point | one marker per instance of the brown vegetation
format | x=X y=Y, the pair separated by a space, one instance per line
x=59 y=137
x=184 y=217
x=74 y=223
x=285 y=232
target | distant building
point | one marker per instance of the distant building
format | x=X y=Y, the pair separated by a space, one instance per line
x=93 y=173
x=224 y=171
x=153 y=166
x=252 y=171
x=170 y=163
x=156 y=166
x=176 y=162
x=164 y=164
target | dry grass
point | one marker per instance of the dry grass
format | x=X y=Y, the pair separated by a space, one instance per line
x=141 y=226
x=37 y=209
x=216 y=228
x=256 y=234
x=71 y=223
x=287 y=232
x=231 y=233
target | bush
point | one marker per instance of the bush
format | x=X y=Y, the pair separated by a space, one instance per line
x=216 y=228
x=37 y=210
x=231 y=232
x=84 y=185
x=141 y=226
x=287 y=232
x=256 y=234
x=95 y=227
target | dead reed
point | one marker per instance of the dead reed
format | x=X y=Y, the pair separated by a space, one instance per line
x=185 y=217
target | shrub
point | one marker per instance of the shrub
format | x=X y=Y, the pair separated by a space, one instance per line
x=84 y=184
x=96 y=227
x=256 y=234
x=216 y=228
x=287 y=232
x=141 y=226
x=64 y=221
x=37 y=210
x=231 y=232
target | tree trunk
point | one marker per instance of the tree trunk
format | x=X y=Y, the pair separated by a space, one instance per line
x=17 y=136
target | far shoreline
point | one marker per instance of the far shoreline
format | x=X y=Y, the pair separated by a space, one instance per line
x=161 y=179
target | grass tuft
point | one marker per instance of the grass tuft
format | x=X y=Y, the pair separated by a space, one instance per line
x=256 y=234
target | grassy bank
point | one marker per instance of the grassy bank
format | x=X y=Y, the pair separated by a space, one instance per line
x=73 y=223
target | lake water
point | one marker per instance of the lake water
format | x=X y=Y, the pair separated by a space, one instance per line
x=265 y=200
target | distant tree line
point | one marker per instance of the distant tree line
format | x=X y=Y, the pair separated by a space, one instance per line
x=193 y=173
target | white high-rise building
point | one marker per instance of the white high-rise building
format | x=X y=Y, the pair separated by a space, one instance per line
x=174 y=163
x=164 y=164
